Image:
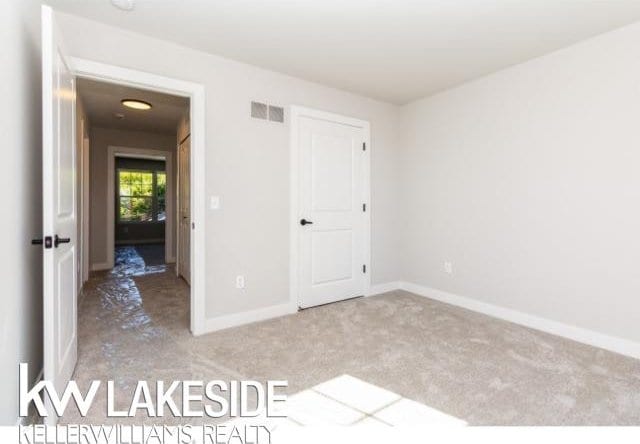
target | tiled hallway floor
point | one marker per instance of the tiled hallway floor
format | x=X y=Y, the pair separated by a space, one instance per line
x=389 y=359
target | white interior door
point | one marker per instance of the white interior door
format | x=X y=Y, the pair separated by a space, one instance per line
x=184 y=211
x=59 y=209
x=331 y=226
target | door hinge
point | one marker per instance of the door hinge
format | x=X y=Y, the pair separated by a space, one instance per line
x=364 y=268
x=364 y=146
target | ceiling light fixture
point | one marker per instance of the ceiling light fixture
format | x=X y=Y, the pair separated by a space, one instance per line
x=136 y=104
x=125 y=5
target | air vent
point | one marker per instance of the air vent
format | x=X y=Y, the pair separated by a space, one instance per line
x=276 y=113
x=259 y=110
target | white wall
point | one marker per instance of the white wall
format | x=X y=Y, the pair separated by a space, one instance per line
x=528 y=180
x=21 y=135
x=247 y=161
x=100 y=140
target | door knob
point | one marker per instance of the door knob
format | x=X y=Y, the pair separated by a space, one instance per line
x=60 y=240
x=304 y=222
x=47 y=241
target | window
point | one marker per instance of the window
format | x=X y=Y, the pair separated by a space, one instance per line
x=141 y=196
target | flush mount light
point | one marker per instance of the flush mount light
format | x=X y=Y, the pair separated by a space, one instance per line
x=136 y=104
x=125 y=5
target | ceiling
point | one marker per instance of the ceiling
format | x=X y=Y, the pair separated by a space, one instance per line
x=393 y=50
x=102 y=104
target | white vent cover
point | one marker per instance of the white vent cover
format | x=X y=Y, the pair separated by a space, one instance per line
x=259 y=110
x=276 y=113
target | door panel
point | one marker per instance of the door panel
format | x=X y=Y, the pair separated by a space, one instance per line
x=336 y=244
x=331 y=194
x=331 y=173
x=59 y=210
x=65 y=157
x=66 y=317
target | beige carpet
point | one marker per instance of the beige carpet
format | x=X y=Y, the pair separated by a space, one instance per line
x=134 y=325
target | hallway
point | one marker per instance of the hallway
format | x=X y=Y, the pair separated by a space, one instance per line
x=132 y=320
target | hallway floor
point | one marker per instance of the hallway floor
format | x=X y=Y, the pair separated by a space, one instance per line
x=387 y=359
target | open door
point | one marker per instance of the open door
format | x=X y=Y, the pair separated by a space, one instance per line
x=184 y=210
x=59 y=210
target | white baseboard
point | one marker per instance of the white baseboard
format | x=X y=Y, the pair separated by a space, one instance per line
x=101 y=266
x=247 y=317
x=612 y=343
x=383 y=288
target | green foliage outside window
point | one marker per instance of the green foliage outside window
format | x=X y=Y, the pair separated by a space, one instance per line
x=141 y=196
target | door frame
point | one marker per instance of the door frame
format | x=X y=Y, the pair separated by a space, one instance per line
x=139 y=153
x=296 y=113
x=196 y=93
x=85 y=205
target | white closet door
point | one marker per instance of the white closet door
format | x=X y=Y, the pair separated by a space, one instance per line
x=331 y=197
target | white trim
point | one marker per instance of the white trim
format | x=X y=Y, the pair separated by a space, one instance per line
x=248 y=317
x=196 y=93
x=615 y=344
x=383 y=288
x=86 y=206
x=79 y=185
x=167 y=156
x=295 y=113
x=101 y=266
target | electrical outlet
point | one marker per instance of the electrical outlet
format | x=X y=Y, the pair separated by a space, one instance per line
x=448 y=267
x=240 y=281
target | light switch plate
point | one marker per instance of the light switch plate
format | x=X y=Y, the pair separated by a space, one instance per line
x=215 y=202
